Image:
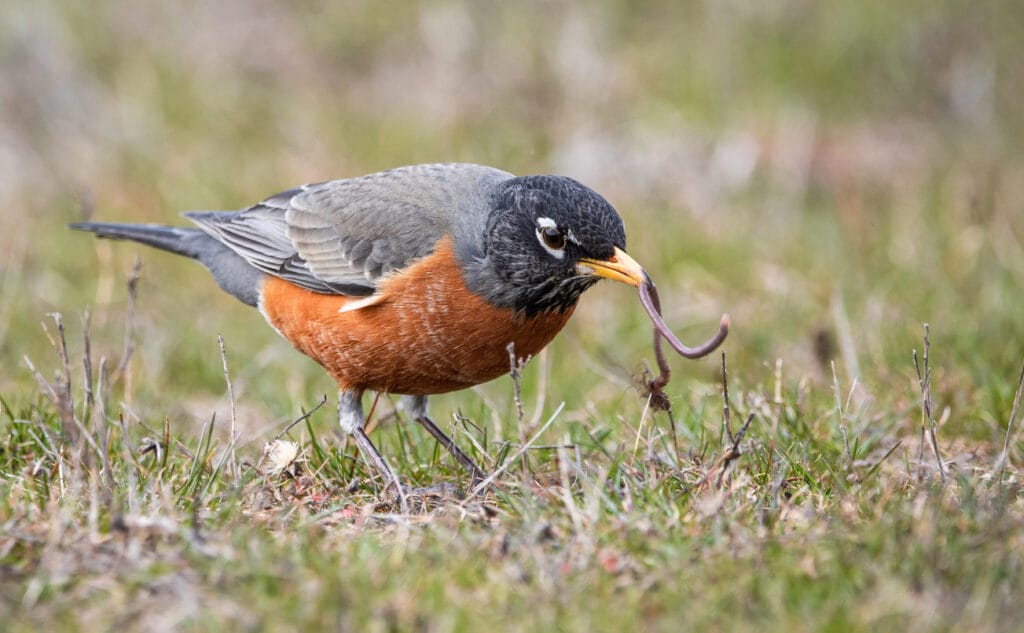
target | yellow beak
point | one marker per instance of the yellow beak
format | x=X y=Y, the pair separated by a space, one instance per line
x=620 y=267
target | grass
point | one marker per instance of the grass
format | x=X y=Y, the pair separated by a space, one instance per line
x=835 y=176
x=107 y=529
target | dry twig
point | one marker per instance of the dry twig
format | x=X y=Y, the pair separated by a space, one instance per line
x=732 y=451
x=516 y=365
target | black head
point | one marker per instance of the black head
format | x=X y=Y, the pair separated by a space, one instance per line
x=541 y=232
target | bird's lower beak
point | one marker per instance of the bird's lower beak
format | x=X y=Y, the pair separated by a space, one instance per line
x=620 y=267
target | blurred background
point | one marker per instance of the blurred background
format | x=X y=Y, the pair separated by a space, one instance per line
x=832 y=173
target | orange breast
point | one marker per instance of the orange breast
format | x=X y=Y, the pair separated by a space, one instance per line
x=429 y=334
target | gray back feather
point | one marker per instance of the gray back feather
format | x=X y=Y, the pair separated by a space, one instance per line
x=340 y=237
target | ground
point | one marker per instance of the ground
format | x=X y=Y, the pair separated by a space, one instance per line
x=844 y=179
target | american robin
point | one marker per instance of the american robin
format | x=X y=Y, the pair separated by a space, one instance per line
x=411 y=281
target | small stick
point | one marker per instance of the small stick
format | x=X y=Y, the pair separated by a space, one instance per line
x=517 y=375
x=87 y=365
x=733 y=453
x=721 y=465
x=516 y=371
x=726 y=413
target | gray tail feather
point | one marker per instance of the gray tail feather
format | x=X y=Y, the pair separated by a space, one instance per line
x=231 y=272
x=169 y=238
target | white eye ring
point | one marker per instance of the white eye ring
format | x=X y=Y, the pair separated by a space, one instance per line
x=551 y=238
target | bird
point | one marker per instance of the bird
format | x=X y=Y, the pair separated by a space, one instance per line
x=413 y=281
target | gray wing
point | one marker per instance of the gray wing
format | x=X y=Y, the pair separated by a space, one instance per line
x=340 y=237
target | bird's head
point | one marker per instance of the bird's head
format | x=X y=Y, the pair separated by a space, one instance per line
x=548 y=239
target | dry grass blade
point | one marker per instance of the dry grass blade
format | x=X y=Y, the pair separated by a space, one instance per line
x=87 y=364
x=925 y=381
x=122 y=371
x=59 y=393
x=306 y=415
x=840 y=413
x=874 y=468
x=519 y=453
x=233 y=463
x=1004 y=455
x=62 y=390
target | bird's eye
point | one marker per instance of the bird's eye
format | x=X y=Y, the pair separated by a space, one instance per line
x=553 y=238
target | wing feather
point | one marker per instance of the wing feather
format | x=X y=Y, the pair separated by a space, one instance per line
x=340 y=237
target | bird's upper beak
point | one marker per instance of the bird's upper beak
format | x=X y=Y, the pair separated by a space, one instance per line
x=620 y=267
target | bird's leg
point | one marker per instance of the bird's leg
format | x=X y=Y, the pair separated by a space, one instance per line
x=350 y=416
x=417 y=408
